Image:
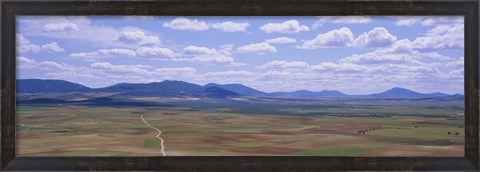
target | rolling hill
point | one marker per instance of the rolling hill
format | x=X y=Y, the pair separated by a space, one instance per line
x=237 y=88
x=49 y=86
x=169 y=88
x=398 y=92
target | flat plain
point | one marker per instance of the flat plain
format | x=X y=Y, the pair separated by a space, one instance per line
x=389 y=127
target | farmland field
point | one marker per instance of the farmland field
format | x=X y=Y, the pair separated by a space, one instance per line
x=201 y=129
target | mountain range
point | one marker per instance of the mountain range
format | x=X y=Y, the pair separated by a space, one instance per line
x=170 y=88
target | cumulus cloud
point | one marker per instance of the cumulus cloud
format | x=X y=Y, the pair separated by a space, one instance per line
x=460 y=62
x=208 y=55
x=277 y=74
x=281 y=40
x=183 y=23
x=335 y=38
x=399 y=52
x=377 y=37
x=258 y=48
x=339 y=67
x=406 y=20
x=138 y=69
x=27 y=63
x=22 y=40
x=137 y=37
x=175 y=71
x=373 y=58
x=52 y=47
x=60 y=27
x=290 y=26
x=230 y=26
x=441 y=37
x=229 y=74
x=104 y=53
x=298 y=65
x=24 y=46
x=427 y=21
x=68 y=28
x=156 y=53
x=341 y=19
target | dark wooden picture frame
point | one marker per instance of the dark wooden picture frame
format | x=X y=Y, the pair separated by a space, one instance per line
x=468 y=8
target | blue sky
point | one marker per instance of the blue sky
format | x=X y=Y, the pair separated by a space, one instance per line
x=352 y=54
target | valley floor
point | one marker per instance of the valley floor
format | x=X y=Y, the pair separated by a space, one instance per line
x=106 y=131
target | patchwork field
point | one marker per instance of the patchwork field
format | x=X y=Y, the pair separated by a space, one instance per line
x=120 y=131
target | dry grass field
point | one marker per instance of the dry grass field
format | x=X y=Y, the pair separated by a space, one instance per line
x=108 y=131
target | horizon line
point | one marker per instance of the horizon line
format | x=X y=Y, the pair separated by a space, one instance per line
x=245 y=86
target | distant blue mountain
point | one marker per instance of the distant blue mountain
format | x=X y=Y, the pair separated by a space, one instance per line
x=165 y=88
x=306 y=93
x=170 y=88
x=237 y=88
x=398 y=92
x=49 y=86
x=216 y=92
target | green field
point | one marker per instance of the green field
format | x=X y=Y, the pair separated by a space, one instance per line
x=151 y=143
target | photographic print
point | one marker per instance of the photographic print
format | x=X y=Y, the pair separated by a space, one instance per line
x=351 y=86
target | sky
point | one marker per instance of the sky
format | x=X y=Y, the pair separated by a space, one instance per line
x=352 y=54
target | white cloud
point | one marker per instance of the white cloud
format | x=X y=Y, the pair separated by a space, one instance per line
x=137 y=69
x=277 y=75
x=339 y=67
x=457 y=73
x=399 y=53
x=290 y=26
x=441 y=37
x=230 y=26
x=182 y=71
x=52 y=47
x=345 y=19
x=103 y=53
x=27 y=63
x=28 y=48
x=341 y=19
x=258 y=48
x=406 y=20
x=137 y=37
x=92 y=34
x=155 y=53
x=460 y=62
x=229 y=74
x=298 y=65
x=60 y=27
x=429 y=21
x=335 y=38
x=377 y=58
x=281 y=40
x=24 y=46
x=208 y=56
x=21 y=40
x=182 y=23
x=377 y=37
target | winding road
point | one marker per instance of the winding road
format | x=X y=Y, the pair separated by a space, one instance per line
x=162 y=149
